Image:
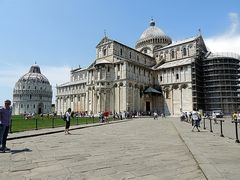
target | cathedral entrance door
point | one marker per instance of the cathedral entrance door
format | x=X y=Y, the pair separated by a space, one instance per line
x=147 y=106
x=39 y=110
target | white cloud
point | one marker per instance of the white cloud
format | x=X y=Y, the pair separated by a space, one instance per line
x=228 y=41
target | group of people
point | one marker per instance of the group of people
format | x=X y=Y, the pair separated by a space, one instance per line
x=5 y=120
x=103 y=116
x=194 y=117
x=186 y=116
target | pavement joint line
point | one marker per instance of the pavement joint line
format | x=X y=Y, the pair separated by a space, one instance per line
x=179 y=135
x=208 y=170
x=192 y=154
x=60 y=131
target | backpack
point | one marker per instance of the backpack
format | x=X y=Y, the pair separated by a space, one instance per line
x=64 y=117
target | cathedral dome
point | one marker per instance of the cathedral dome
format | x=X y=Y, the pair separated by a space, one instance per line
x=152 y=37
x=152 y=32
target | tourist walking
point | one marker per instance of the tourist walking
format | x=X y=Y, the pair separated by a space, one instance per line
x=155 y=115
x=195 y=119
x=214 y=117
x=5 y=114
x=68 y=118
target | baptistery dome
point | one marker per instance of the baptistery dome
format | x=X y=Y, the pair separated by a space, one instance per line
x=34 y=75
x=32 y=93
x=151 y=38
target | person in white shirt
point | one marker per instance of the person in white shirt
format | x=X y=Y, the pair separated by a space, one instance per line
x=68 y=118
x=195 y=119
x=214 y=117
x=155 y=115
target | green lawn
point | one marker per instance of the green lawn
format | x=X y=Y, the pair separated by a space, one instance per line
x=19 y=123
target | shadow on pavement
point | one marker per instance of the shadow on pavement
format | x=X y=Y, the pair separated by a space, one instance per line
x=20 y=150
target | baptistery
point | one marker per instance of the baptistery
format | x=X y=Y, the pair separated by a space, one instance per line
x=32 y=93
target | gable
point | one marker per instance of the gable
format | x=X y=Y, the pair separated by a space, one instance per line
x=104 y=40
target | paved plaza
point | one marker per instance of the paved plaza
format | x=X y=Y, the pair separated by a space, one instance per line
x=144 y=148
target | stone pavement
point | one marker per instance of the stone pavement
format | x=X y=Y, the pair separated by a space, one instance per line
x=137 y=149
x=218 y=157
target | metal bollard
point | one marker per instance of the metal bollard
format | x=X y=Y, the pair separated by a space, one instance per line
x=221 y=130
x=236 y=128
x=36 y=125
x=52 y=122
x=210 y=125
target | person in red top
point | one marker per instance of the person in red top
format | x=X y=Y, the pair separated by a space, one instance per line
x=106 y=114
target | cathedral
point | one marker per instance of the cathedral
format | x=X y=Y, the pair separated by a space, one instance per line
x=157 y=75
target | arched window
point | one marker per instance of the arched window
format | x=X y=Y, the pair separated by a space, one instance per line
x=104 y=52
x=184 y=51
x=177 y=76
x=121 y=51
x=172 y=54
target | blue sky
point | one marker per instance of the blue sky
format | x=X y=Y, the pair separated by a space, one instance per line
x=61 y=34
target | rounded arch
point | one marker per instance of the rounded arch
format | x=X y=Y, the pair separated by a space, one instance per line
x=146 y=50
x=40 y=108
x=175 y=86
x=184 y=86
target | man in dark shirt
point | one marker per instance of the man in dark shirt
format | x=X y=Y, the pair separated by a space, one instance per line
x=5 y=120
